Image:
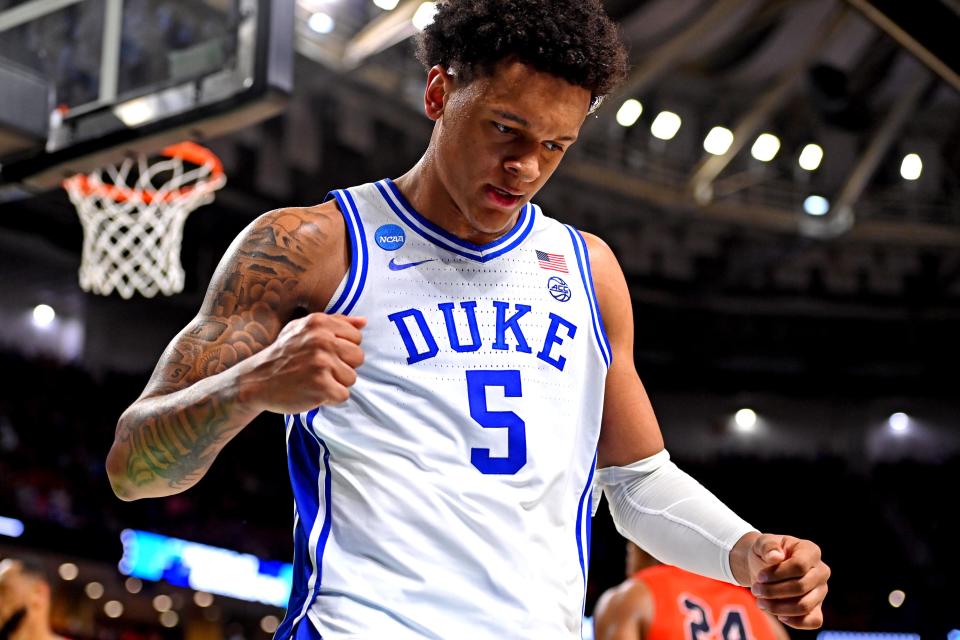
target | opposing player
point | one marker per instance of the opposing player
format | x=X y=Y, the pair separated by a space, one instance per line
x=443 y=472
x=661 y=602
x=24 y=601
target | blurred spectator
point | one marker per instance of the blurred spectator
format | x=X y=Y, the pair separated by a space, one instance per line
x=24 y=601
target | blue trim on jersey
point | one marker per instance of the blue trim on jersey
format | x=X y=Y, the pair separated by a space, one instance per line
x=446 y=240
x=302 y=457
x=586 y=275
x=583 y=516
x=354 y=252
x=364 y=253
x=327 y=516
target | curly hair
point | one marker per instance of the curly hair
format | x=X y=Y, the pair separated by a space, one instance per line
x=571 y=39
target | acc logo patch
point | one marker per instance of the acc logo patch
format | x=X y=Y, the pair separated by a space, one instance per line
x=558 y=289
x=390 y=237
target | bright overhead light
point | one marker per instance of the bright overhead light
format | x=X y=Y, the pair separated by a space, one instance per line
x=746 y=420
x=133 y=585
x=811 y=157
x=816 y=205
x=321 y=23
x=629 y=113
x=10 y=527
x=162 y=603
x=899 y=422
x=718 y=141
x=896 y=598
x=68 y=571
x=665 y=125
x=269 y=623
x=169 y=619
x=387 y=5
x=94 y=590
x=911 y=167
x=43 y=316
x=113 y=609
x=423 y=18
x=202 y=599
x=765 y=148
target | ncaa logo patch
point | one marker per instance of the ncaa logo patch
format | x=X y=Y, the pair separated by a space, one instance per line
x=390 y=237
x=558 y=289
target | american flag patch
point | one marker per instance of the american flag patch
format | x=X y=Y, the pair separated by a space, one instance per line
x=552 y=261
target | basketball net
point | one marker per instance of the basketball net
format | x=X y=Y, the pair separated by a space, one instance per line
x=133 y=214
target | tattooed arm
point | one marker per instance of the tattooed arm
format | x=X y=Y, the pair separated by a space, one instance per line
x=242 y=355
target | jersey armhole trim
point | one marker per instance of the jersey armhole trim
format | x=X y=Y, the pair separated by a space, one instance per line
x=349 y=292
x=586 y=275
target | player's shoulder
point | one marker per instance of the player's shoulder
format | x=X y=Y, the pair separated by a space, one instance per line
x=321 y=222
x=629 y=593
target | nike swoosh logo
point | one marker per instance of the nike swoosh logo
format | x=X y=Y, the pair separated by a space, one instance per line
x=400 y=267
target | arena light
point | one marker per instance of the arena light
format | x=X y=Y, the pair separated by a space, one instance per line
x=629 y=113
x=811 y=157
x=896 y=598
x=322 y=23
x=665 y=125
x=43 y=316
x=746 y=420
x=10 y=527
x=94 y=590
x=911 y=167
x=816 y=205
x=169 y=619
x=718 y=141
x=954 y=635
x=202 y=599
x=269 y=623
x=387 y=5
x=423 y=18
x=133 y=585
x=68 y=571
x=162 y=603
x=899 y=422
x=765 y=147
x=201 y=567
x=113 y=608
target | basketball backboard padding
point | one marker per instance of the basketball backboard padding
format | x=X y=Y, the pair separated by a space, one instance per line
x=27 y=100
x=234 y=69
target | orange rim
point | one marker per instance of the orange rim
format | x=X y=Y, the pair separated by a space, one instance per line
x=189 y=151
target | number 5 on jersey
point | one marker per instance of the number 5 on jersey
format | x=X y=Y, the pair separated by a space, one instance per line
x=516 y=458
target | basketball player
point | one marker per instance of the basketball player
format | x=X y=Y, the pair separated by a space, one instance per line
x=443 y=472
x=24 y=601
x=661 y=602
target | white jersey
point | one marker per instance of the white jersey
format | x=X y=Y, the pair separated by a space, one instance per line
x=449 y=497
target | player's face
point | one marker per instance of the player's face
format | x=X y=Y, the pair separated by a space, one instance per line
x=501 y=138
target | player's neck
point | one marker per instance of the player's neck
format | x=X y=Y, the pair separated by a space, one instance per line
x=425 y=191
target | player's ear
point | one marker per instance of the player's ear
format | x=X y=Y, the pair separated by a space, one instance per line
x=439 y=87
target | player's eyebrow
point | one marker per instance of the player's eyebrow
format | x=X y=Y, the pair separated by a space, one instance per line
x=523 y=122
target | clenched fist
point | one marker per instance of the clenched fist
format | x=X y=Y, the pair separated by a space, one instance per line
x=312 y=362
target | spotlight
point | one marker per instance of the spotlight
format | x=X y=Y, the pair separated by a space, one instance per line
x=816 y=205
x=896 y=598
x=811 y=157
x=321 y=23
x=133 y=585
x=113 y=609
x=899 y=422
x=202 y=599
x=387 y=5
x=169 y=619
x=94 y=590
x=665 y=125
x=269 y=624
x=68 y=571
x=629 y=113
x=718 y=141
x=766 y=147
x=162 y=603
x=911 y=167
x=43 y=316
x=746 y=420
x=423 y=18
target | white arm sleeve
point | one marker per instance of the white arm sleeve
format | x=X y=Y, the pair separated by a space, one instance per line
x=672 y=516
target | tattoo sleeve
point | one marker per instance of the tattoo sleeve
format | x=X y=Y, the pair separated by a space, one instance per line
x=168 y=439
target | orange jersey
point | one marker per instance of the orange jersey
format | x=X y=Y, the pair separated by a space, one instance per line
x=691 y=607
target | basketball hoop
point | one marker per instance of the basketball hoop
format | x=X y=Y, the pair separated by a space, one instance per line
x=133 y=215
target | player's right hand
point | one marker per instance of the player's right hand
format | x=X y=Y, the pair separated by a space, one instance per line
x=312 y=362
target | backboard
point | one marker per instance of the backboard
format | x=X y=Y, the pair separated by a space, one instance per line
x=83 y=82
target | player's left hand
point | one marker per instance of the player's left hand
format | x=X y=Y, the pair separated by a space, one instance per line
x=789 y=579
